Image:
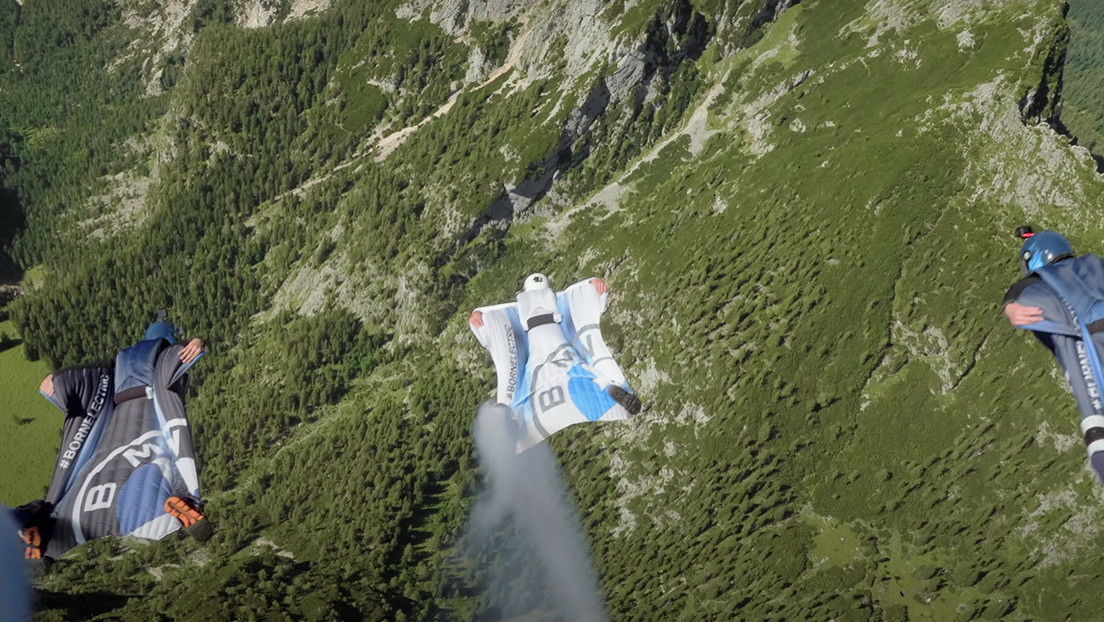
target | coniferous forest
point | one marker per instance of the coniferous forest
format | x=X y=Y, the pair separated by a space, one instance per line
x=1084 y=75
x=804 y=213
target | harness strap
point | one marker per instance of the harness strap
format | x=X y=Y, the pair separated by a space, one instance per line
x=540 y=320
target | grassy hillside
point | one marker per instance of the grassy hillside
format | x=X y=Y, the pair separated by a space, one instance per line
x=805 y=223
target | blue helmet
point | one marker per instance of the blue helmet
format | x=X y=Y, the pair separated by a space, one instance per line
x=160 y=330
x=1043 y=249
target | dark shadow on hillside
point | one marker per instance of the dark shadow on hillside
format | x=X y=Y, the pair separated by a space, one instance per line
x=80 y=606
x=10 y=272
x=1056 y=124
x=12 y=222
x=7 y=343
x=1060 y=128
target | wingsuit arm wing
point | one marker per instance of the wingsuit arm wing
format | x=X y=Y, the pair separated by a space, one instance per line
x=1057 y=319
x=498 y=329
x=179 y=379
x=170 y=371
x=187 y=365
x=582 y=306
x=73 y=389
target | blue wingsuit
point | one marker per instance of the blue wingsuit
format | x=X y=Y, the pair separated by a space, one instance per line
x=1071 y=294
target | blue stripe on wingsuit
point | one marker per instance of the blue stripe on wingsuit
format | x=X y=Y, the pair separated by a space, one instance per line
x=142 y=498
x=567 y=324
x=1049 y=326
x=588 y=397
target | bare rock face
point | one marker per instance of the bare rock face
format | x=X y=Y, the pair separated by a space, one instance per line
x=632 y=70
x=496 y=10
x=305 y=8
x=456 y=16
x=1041 y=102
x=576 y=36
x=259 y=14
x=677 y=34
x=585 y=38
x=478 y=66
x=256 y=15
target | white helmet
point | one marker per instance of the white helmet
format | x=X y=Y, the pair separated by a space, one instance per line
x=535 y=281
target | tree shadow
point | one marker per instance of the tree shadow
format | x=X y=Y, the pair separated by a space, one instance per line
x=12 y=221
x=7 y=343
x=79 y=606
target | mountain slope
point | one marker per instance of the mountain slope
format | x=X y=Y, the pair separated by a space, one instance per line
x=804 y=214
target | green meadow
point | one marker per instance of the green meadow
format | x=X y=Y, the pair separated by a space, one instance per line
x=30 y=427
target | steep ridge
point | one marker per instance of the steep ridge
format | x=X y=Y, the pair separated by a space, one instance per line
x=804 y=214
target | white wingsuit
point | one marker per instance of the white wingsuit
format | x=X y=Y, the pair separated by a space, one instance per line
x=553 y=367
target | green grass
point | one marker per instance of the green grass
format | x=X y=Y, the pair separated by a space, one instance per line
x=30 y=428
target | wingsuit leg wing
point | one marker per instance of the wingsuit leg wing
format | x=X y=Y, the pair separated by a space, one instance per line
x=582 y=306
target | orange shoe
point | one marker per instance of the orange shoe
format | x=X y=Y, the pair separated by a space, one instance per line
x=32 y=540
x=183 y=511
x=194 y=522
